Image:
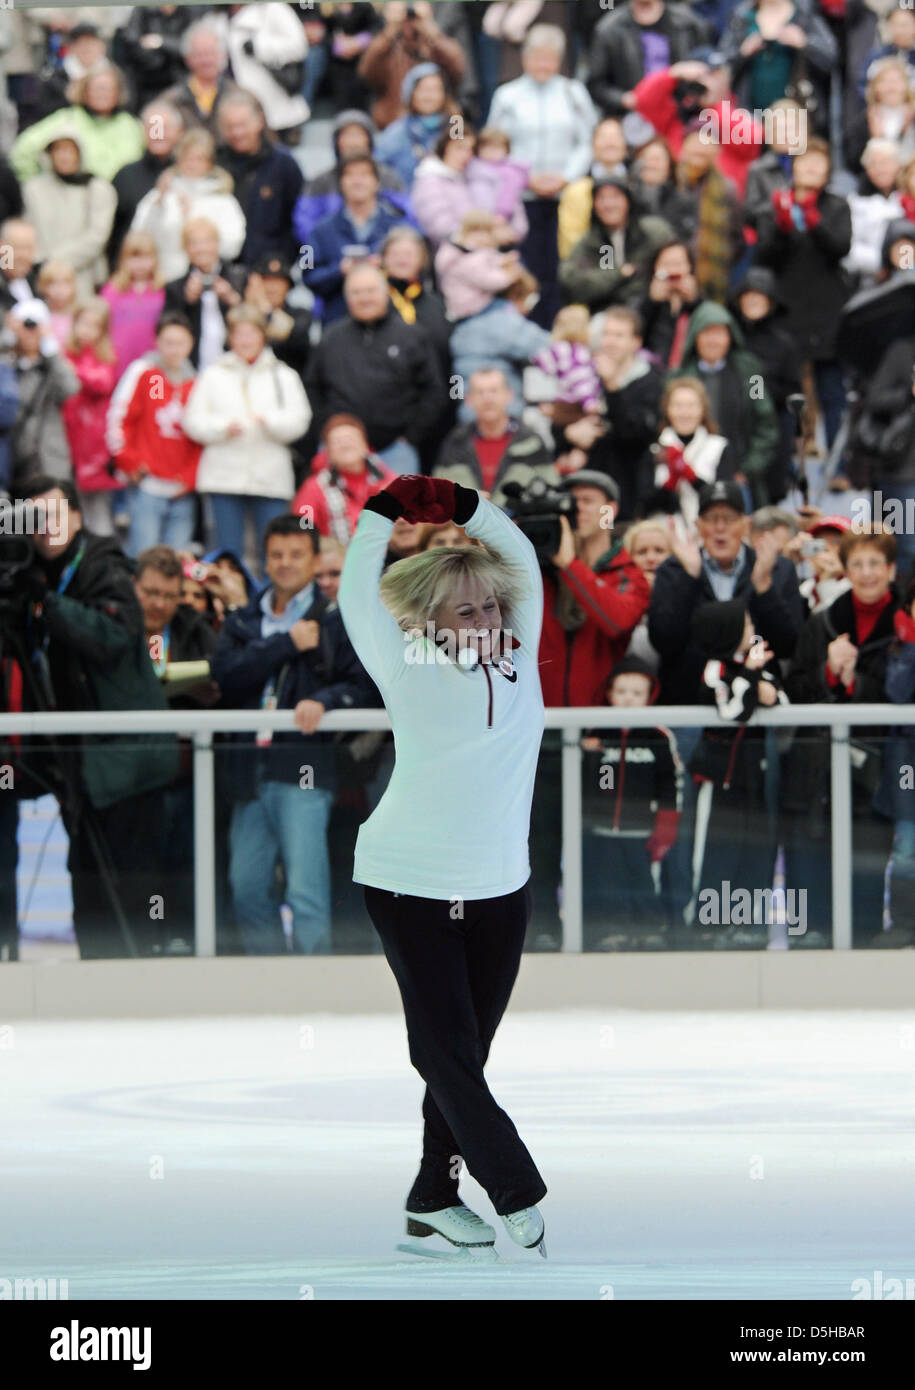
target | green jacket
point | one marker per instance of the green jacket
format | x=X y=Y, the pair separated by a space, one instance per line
x=108 y=142
x=752 y=429
x=99 y=660
x=584 y=277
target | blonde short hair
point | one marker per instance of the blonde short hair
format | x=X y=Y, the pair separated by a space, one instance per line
x=415 y=589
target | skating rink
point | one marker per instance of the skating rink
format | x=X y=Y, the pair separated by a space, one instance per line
x=688 y=1156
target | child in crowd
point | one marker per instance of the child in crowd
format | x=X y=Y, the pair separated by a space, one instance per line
x=136 y=295
x=470 y=267
x=91 y=355
x=145 y=435
x=689 y=452
x=568 y=361
x=498 y=181
x=631 y=797
x=57 y=287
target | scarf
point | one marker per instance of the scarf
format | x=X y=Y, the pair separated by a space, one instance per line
x=403 y=293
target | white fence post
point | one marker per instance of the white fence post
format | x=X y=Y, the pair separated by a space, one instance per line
x=204 y=847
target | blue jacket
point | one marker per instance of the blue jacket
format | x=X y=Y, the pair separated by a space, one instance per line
x=9 y=407
x=405 y=142
x=242 y=664
x=500 y=336
x=335 y=232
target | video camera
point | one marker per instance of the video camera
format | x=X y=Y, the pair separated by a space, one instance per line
x=537 y=510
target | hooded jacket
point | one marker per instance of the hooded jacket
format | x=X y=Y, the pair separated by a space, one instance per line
x=322 y=196
x=586 y=280
x=107 y=142
x=261 y=38
x=72 y=216
x=332 y=235
x=258 y=461
x=743 y=407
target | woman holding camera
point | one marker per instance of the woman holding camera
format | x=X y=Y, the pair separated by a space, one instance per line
x=450 y=637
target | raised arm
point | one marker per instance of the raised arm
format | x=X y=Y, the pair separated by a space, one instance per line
x=489 y=524
x=377 y=640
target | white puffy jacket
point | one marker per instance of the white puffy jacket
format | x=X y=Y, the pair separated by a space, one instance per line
x=163 y=215
x=258 y=462
x=278 y=37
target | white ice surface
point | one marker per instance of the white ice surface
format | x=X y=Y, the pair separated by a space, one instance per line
x=764 y=1155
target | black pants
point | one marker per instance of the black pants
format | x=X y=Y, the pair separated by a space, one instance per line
x=130 y=835
x=455 y=979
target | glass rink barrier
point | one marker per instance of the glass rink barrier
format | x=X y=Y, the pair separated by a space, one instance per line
x=794 y=831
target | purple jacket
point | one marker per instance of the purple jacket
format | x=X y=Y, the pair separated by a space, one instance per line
x=442 y=198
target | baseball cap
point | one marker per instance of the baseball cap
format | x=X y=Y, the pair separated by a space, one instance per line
x=726 y=494
x=591 y=477
x=273 y=264
x=32 y=310
x=830 y=523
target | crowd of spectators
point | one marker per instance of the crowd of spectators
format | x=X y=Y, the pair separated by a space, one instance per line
x=659 y=257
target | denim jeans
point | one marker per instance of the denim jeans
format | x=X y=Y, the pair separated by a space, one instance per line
x=401 y=456
x=228 y=511
x=285 y=821
x=159 y=521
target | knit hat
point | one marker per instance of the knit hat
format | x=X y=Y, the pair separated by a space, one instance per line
x=415 y=75
x=717 y=628
x=635 y=666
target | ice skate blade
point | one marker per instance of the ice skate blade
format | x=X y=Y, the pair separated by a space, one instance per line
x=461 y=1254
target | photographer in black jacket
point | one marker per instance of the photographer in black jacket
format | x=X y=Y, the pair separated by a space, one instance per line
x=84 y=624
x=286 y=649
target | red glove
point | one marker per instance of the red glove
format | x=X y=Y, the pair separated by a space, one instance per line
x=423 y=499
x=808 y=206
x=782 y=201
x=664 y=835
x=904 y=626
x=417 y=498
x=678 y=470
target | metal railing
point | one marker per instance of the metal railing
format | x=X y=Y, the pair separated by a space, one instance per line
x=203 y=724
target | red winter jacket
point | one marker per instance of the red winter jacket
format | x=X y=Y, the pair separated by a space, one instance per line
x=84 y=417
x=743 y=137
x=152 y=429
x=574 y=666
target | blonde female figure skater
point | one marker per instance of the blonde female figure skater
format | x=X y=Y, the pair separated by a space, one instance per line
x=450 y=638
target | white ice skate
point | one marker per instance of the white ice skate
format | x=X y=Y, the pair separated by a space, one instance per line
x=468 y=1234
x=526 y=1228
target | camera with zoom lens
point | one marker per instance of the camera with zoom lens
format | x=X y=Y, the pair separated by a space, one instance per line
x=537 y=510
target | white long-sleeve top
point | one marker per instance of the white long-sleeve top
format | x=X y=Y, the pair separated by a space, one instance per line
x=454 y=820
